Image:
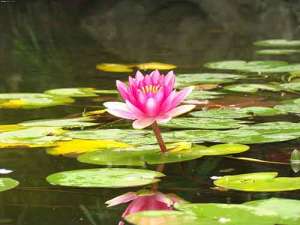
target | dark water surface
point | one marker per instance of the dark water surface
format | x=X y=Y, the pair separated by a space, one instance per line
x=49 y=44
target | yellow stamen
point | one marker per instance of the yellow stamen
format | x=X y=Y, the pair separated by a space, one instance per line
x=150 y=89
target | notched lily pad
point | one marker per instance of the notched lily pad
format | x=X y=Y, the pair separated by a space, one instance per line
x=202 y=95
x=105 y=178
x=252 y=88
x=7 y=184
x=139 y=156
x=259 y=182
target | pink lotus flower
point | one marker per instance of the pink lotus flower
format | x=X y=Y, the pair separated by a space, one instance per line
x=144 y=202
x=149 y=99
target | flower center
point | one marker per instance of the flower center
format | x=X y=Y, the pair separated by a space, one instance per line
x=150 y=89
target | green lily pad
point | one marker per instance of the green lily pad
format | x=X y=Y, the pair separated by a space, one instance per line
x=252 y=134
x=105 y=178
x=204 y=123
x=139 y=156
x=255 y=66
x=277 y=51
x=129 y=136
x=293 y=86
x=252 y=88
x=206 y=214
x=31 y=100
x=234 y=113
x=30 y=137
x=202 y=95
x=259 y=182
x=63 y=123
x=72 y=92
x=278 y=43
x=288 y=210
x=183 y=80
x=7 y=184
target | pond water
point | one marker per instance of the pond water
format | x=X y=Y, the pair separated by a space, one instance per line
x=46 y=46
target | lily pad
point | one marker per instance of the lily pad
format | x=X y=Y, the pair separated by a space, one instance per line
x=155 y=66
x=72 y=92
x=288 y=210
x=82 y=146
x=31 y=100
x=7 y=184
x=292 y=86
x=202 y=95
x=129 y=136
x=259 y=182
x=105 y=178
x=183 y=80
x=206 y=214
x=31 y=137
x=113 y=67
x=278 y=43
x=139 y=156
x=277 y=51
x=255 y=66
x=63 y=123
x=252 y=88
x=204 y=123
x=231 y=113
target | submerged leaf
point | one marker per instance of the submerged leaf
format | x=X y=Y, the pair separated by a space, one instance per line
x=105 y=178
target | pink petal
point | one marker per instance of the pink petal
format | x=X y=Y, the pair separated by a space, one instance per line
x=119 y=109
x=142 y=123
x=134 y=110
x=163 y=119
x=123 y=90
x=167 y=103
x=139 y=76
x=122 y=199
x=155 y=75
x=170 y=79
x=180 y=110
x=164 y=199
x=181 y=95
x=151 y=107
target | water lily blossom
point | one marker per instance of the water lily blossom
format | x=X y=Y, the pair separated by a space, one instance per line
x=149 y=100
x=144 y=201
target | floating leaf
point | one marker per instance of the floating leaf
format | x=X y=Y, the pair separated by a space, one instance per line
x=31 y=100
x=231 y=113
x=278 y=43
x=252 y=88
x=105 y=178
x=72 y=92
x=82 y=146
x=10 y=127
x=277 y=51
x=196 y=95
x=112 y=67
x=30 y=137
x=63 y=123
x=206 y=214
x=139 y=156
x=293 y=86
x=129 y=136
x=204 y=123
x=183 y=80
x=155 y=66
x=259 y=182
x=7 y=184
x=288 y=210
